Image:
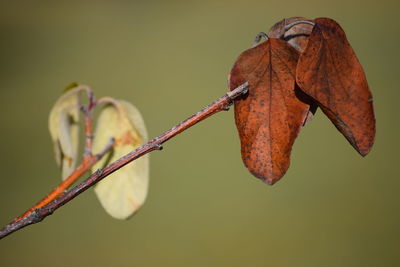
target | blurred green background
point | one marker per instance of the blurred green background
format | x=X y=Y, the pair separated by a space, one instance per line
x=171 y=58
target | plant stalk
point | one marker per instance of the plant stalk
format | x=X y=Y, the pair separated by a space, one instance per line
x=39 y=214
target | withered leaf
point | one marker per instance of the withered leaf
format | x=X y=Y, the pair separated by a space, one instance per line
x=64 y=129
x=269 y=118
x=296 y=36
x=124 y=191
x=330 y=73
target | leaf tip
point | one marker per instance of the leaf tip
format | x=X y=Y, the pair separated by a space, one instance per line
x=70 y=86
x=268 y=177
x=364 y=151
x=270 y=181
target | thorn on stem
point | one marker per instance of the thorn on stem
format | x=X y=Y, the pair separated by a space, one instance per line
x=226 y=107
x=159 y=147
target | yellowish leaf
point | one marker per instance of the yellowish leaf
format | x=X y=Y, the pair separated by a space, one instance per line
x=64 y=130
x=124 y=191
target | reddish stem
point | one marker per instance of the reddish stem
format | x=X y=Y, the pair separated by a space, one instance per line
x=87 y=162
x=88 y=125
x=64 y=185
x=86 y=165
x=39 y=214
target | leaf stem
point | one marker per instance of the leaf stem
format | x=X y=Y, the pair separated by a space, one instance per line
x=88 y=123
x=258 y=38
x=40 y=213
x=290 y=25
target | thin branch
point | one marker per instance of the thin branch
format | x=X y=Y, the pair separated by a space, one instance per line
x=88 y=124
x=39 y=214
x=88 y=159
x=85 y=166
x=59 y=190
x=107 y=148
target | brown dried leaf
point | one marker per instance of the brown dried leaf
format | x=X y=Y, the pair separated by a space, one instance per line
x=330 y=73
x=123 y=192
x=296 y=36
x=269 y=118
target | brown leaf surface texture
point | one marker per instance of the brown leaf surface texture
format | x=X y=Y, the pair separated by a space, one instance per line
x=269 y=118
x=330 y=72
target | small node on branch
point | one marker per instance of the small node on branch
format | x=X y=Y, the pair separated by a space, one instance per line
x=238 y=91
x=227 y=107
x=99 y=172
x=159 y=147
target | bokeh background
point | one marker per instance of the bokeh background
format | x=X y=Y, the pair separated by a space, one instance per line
x=171 y=58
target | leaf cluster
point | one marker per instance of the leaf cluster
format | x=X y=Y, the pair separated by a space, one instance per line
x=124 y=191
x=304 y=65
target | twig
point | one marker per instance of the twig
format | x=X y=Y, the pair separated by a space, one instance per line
x=64 y=185
x=88 y=124
x=88 y=159
x=39 y=214
x=85 y=166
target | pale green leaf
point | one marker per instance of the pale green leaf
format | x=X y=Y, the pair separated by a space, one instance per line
x=64 y=130
x=123 y=192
